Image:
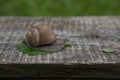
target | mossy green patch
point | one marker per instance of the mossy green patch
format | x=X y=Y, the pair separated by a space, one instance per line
x=30 y=51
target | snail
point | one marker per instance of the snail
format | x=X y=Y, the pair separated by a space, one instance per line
x=39 y=35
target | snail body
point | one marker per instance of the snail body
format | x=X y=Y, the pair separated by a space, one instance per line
x=40 y=34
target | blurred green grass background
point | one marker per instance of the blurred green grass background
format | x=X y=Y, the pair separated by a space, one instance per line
x=59 y=7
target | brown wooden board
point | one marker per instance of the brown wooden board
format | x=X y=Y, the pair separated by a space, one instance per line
x=87 y=35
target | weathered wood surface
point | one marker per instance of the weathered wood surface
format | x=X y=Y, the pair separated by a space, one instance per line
x=88 y=36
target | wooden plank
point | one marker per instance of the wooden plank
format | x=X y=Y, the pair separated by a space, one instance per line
x=85 y=34
x=82 y=37
x=99 y=71
x=88 y=36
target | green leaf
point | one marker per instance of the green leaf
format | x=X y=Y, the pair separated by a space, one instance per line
x=30 y=51
x=66 y=45
x=108 y=50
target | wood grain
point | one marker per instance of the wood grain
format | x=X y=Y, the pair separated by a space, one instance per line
x=88 y=36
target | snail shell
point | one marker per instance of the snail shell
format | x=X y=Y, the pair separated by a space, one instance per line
x=40 y=34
